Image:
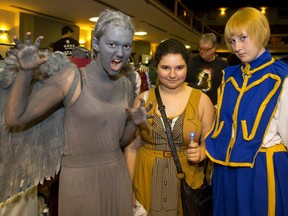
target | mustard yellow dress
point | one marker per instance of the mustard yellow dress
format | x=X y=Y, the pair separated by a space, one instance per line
x=155 y=183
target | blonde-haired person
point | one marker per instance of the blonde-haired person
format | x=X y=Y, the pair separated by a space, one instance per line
x=248 y=143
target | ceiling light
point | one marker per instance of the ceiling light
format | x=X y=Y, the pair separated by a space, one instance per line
x=222 y=11
x=263 y=10
x=94 y=19
x=140 y=33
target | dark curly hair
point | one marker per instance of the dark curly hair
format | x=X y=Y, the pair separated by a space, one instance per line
x=170 y=46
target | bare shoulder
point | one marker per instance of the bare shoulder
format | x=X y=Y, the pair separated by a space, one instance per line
x=64 y=78
x=205 y=105
x=205 y=99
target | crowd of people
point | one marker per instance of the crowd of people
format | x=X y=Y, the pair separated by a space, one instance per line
x=115 y=157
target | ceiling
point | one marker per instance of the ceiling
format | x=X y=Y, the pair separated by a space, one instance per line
x=159 y=25
x=147 y=14
x=205 y=4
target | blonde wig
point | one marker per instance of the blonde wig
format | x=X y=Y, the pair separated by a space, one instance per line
x=251 y=21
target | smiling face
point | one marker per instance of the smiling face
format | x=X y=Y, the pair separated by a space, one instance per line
x=172 y=70
x=115 y=47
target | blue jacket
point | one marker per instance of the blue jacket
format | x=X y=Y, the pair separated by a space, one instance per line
x=247 y=101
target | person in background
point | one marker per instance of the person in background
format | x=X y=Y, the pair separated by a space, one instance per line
x=67 y=43
x=149 y=158
x=205 y=69
x=248 y=143
x=99 y=122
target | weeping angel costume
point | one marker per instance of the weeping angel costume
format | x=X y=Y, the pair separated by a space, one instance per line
x=24 y=160
x=100 y=183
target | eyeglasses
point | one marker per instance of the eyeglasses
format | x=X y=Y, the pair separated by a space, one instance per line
x=205 y=49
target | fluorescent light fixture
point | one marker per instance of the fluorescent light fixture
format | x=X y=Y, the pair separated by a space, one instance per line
x=94 y=19
x=140 y=33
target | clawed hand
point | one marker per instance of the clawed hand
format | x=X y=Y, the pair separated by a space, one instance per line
x=28 y=55
x=140 y=115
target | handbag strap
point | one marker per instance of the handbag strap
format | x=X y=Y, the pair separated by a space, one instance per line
x=161 y=108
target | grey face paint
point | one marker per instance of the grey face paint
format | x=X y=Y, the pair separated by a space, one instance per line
x=95 y=44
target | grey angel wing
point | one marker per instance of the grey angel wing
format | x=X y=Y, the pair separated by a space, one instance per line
x=33 y=153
